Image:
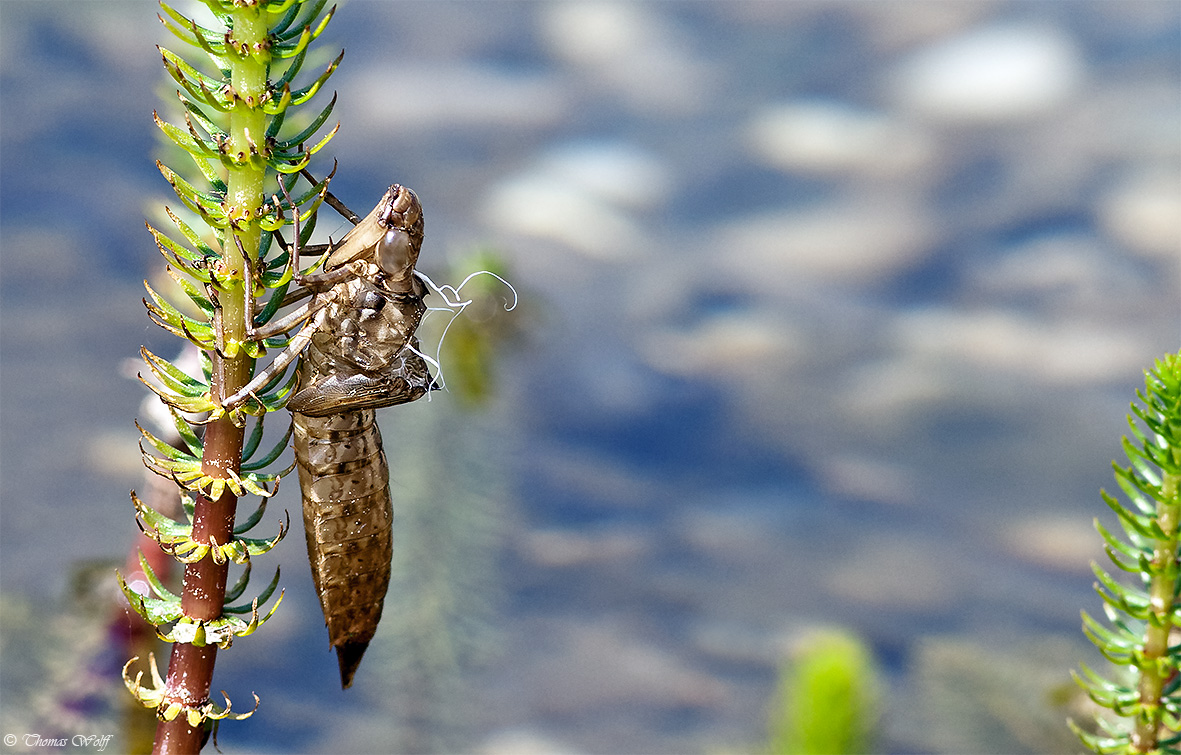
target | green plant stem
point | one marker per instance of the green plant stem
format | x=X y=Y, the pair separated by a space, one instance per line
x=1156 y=637
x=190 y=669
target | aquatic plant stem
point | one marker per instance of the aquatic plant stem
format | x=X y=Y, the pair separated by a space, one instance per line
x=190 y=669
x=1154 y=674
x=1143 y=708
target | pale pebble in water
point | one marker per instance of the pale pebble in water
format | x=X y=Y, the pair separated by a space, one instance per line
x=1045 y=350
x=833 y=137
x=1143 y=214
x=854 y=241
x=453 y=96
x=629 y=50
x=1066 y=542
x=617 y=172
x=993 y=74
x=749 y=344
x=544 y=207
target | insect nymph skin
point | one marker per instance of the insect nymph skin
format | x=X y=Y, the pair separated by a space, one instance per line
x=361 y=355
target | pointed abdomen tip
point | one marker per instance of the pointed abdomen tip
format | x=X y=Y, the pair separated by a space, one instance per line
x=349 y=654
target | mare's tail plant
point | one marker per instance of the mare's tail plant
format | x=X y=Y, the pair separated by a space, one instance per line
x=234 y=113
x=828 y=698
x=1143 y=628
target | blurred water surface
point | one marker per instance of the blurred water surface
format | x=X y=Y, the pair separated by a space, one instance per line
x=832 y=312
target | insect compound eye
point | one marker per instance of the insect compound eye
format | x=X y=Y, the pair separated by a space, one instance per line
x=393 y=251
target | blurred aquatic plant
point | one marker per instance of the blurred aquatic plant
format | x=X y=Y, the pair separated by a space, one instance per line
x=61 y=666
x=469 y=345
x=827 y=702
x=1004 y=695
x=1142 y=633
x=238 y=130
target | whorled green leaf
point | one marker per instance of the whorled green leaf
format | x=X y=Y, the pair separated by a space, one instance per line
x=209 y=171
x=247 y=524
x=278 y=283
x=172 y=377
x=164 y=448
x=197 y=405
x=1118 y=641
x=297 y=46
x=275 y=218
x=1141 y=505
x=185 y=432
x=272 y=396
x=294 y=41
x=290 y=10
x=295 y=165
x=177 y=254
x=220 y=631
x=208 y=123
x=289 y=159
x=161 y=608
x=195 y=294
x=1125 y=556
x=1145 y=467
x=291 y=97
x=1128 y=599
x=1133 y=523
x=270 y=457
x=184 y=397
x=241 y=549
x=208 y=206
x=205 y=89
x=188 y=140
x=159 y=527
x=254 y=439
x=296 y=141
x=176 y=538
x=206 y=252
x=1106 y=693
x=181 y=324
x=1151 y=447
x=187 y=30
x=153 y=697
x=154 y=582
x=239 y=587
x=189 y=474
x=1133 y=632
x=1102 y=745
x=263 y=597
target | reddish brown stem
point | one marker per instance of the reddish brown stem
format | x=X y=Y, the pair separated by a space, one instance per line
x=190 y=670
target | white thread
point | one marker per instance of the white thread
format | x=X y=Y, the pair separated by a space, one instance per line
x=456 y=308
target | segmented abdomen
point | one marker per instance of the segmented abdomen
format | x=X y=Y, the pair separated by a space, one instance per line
x=347 y=517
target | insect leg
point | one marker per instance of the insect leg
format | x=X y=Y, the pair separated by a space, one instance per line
x=332 y=201
x=284 y=358
x=316 y=281
x=286 y=322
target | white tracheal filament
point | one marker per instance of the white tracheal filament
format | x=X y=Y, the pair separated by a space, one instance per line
x=455 y=305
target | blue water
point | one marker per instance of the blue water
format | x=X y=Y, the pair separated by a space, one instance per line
x=722 y=422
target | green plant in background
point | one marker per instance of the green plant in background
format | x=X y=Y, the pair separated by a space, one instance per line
x=1141 y=633
x=234 y=131
x=827 y=701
